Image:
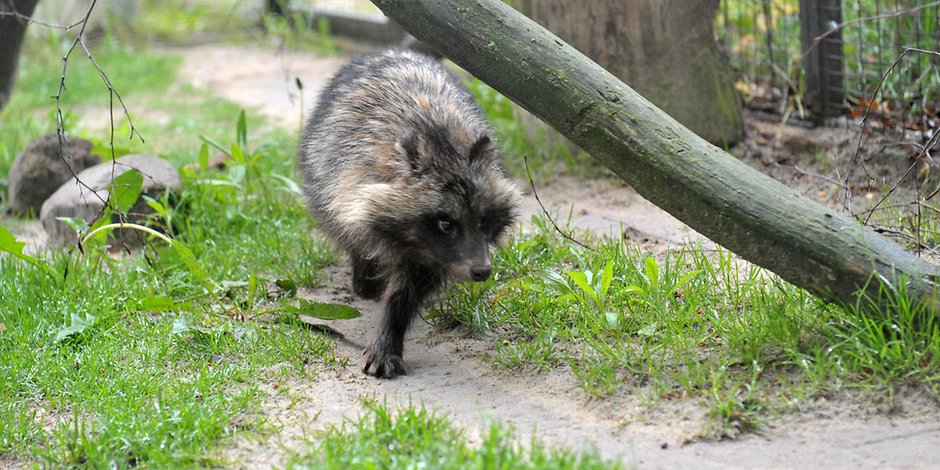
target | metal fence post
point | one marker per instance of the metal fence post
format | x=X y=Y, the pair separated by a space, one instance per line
x=823 y=75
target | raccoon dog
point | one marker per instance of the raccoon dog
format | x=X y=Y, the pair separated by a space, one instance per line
x=401 y=170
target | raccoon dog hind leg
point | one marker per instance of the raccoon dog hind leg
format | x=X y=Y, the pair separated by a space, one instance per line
x=402 y=172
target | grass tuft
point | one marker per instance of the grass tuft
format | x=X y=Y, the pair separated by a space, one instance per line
x=413 y=437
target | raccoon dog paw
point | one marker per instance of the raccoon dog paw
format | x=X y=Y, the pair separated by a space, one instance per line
x=382 y=365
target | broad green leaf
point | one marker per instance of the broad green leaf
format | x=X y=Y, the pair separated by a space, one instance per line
x=194 y=267
x=180 y=326
x=648 y=330
x=289 y=285
x=78 y=326
x=236 y=173
x=125 y=190
x=11 y=245
x=554 y=279
x=325 y=311
x=686 y=278
x=613 y=319
x=204 y=157
x=76 y=223
x=238 y=154
x=634 y=289
x=581 y=279
x=216 y=144
x=290 y=186
x=157 y=303
x=156 y=205
x=607 y=276
x=220 y=183
x=241 y=131
x=651 y=269
x=105 y=219
x=229 y=285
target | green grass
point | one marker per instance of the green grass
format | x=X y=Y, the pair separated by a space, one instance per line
x=180 y=20
x=127 y=360
x=139 y=388
x=416 y=438
x=688 y=324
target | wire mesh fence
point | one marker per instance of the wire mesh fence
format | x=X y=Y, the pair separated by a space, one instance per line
x=888 y=46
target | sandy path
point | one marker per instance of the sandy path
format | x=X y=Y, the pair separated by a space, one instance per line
x=447 y=375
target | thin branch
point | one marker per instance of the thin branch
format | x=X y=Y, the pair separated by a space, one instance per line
x=31 y=20
x=60 y=120
x=535 y=193
x=924 y=152
x=861 y=135
x=79 y=40
x=920 y=246
x=825 y=178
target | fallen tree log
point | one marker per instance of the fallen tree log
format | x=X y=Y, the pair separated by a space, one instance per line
x=754 y=216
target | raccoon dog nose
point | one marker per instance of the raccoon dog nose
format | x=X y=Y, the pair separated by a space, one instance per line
x=480 y=273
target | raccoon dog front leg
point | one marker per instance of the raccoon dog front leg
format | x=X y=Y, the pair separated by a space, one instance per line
x=367 y=282
x=405 y=292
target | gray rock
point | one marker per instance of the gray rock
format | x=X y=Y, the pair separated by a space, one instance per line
x=41 y=168
x=86 y=199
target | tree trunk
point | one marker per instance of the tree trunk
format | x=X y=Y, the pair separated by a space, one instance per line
x=663 y=49
x=12 y=30
x=731 y=203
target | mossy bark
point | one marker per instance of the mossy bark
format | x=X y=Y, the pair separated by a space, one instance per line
x=754 y=216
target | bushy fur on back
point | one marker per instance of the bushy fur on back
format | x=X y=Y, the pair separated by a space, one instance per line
x=401 y=170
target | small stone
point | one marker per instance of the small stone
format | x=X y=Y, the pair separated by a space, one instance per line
x=43 y=166
x=85 y=200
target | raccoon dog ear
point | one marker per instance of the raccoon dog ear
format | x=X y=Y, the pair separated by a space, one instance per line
x=407 y=145
x=479 y=147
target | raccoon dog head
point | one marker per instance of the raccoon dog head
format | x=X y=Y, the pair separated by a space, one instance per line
x=459 y=202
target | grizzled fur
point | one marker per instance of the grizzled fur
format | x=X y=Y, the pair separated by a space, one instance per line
x=401 y=170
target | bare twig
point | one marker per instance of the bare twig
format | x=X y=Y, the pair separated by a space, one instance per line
x=917 y=158
x=535 y=193
x=919 y=246
x=864 y=124
x=60 y=120
x=79 y=40
x=30 y=20
x=802 y=172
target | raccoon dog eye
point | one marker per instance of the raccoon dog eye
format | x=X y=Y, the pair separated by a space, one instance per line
x=445 y=225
